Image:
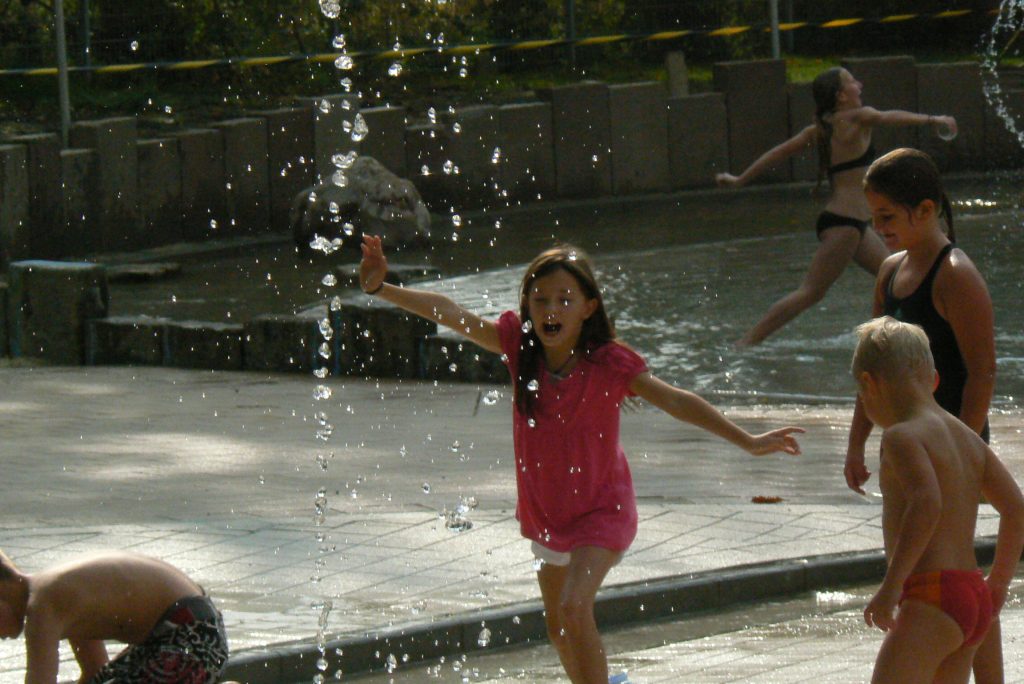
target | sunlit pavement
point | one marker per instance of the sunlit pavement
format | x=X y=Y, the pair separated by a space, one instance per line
x=219 y=472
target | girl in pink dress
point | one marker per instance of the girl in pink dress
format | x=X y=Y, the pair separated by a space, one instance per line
x=570 y=375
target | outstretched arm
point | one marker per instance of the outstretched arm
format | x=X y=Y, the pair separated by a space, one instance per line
x=430 y=305
x=689 y=408
x=898 y=117
x=773 y=157
x=855 y=470
x=1002 y=492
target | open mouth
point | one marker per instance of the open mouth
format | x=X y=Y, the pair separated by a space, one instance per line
x=551 y=328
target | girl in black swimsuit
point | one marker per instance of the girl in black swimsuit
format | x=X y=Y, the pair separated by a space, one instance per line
x=841 y=130
x=931 y=283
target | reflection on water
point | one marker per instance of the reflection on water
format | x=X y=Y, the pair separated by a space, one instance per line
x=684 y=276
x=682 y=305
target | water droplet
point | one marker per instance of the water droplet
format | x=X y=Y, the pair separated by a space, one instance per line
x=348 y=229
x=339 y=178
x=533 y=385
x=322 y=392
x=516 y=620
x=484 y=638
x=432 y=115
x=426 y=487
x=448 y=166
x=344 y=161
x=213 y=224
x=456 y=220
x=392 y=663
x=491 y=397
x=325 y=107
x=527 y=326
x=339 y=41
x=395 y=69
x=344 y=62
x=135 y=46
x=330 y=280
x=496 y=155
x=359 y=128
x=330 y=8
x=531 y=422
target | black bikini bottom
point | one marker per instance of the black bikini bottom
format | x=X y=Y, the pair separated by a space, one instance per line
x=827 y=219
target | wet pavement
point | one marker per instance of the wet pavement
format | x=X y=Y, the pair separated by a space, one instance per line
x=818 y=637
x=219 y=472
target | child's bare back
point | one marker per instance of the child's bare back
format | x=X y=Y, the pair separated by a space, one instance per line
x=934 y=471
x=171 y=628
x=947 y=469
x=114 y=596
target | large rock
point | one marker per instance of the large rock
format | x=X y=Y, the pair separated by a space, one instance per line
x=373 y=200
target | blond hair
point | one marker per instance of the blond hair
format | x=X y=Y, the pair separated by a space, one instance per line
x=891 y=349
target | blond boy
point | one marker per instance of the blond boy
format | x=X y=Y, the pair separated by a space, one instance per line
x=173 y=631
x=934 y=470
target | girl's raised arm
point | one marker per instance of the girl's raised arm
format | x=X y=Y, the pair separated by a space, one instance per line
x=430 y=305
x=689 y=408
x=898 y=117
x=773 y=157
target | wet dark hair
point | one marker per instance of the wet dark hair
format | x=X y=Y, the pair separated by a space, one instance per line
x=825 y=89
x=597 y=330
x=908 y=177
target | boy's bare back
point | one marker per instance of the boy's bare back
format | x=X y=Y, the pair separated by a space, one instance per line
x=115 y=596
x=934 y=456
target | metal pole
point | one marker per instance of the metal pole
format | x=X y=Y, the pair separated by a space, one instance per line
x=773 y=10
x=85 y=32
x=62 y=72
x=570 y=30
x=789 y=34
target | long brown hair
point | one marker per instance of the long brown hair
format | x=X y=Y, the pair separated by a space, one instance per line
x=908 y=177
x=825 y=89
x=596 y=331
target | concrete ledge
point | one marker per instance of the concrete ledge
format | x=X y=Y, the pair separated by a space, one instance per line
x=5 y=349
x=126 y=340
x=282 y=343
x=523 y=623
x=374 y=338
x=50 y=305
x=202 y=344
x=447 y=356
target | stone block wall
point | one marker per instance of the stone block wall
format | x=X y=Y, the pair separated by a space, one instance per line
x=113 y=192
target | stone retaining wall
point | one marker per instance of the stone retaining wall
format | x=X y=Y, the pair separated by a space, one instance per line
x=113 y=191
x=56 y=311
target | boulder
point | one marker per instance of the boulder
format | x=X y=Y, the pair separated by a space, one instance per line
x=371 y=200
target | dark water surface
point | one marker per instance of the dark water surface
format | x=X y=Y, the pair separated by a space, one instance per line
x=684 y=275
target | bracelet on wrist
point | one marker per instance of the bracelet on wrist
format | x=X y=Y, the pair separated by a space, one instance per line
x=375 y=290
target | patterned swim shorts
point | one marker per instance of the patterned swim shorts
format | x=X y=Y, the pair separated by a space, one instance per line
x=187 y=646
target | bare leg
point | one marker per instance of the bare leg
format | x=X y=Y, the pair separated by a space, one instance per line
x=871 y=252
x=988 y=661
x=835 y=251
x=914 y=649
x=552 y=579
x=570 y=621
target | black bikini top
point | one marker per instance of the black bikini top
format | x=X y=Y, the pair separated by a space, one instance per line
x=863 y=160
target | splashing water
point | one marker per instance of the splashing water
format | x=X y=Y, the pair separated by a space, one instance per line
x=1001 y=38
